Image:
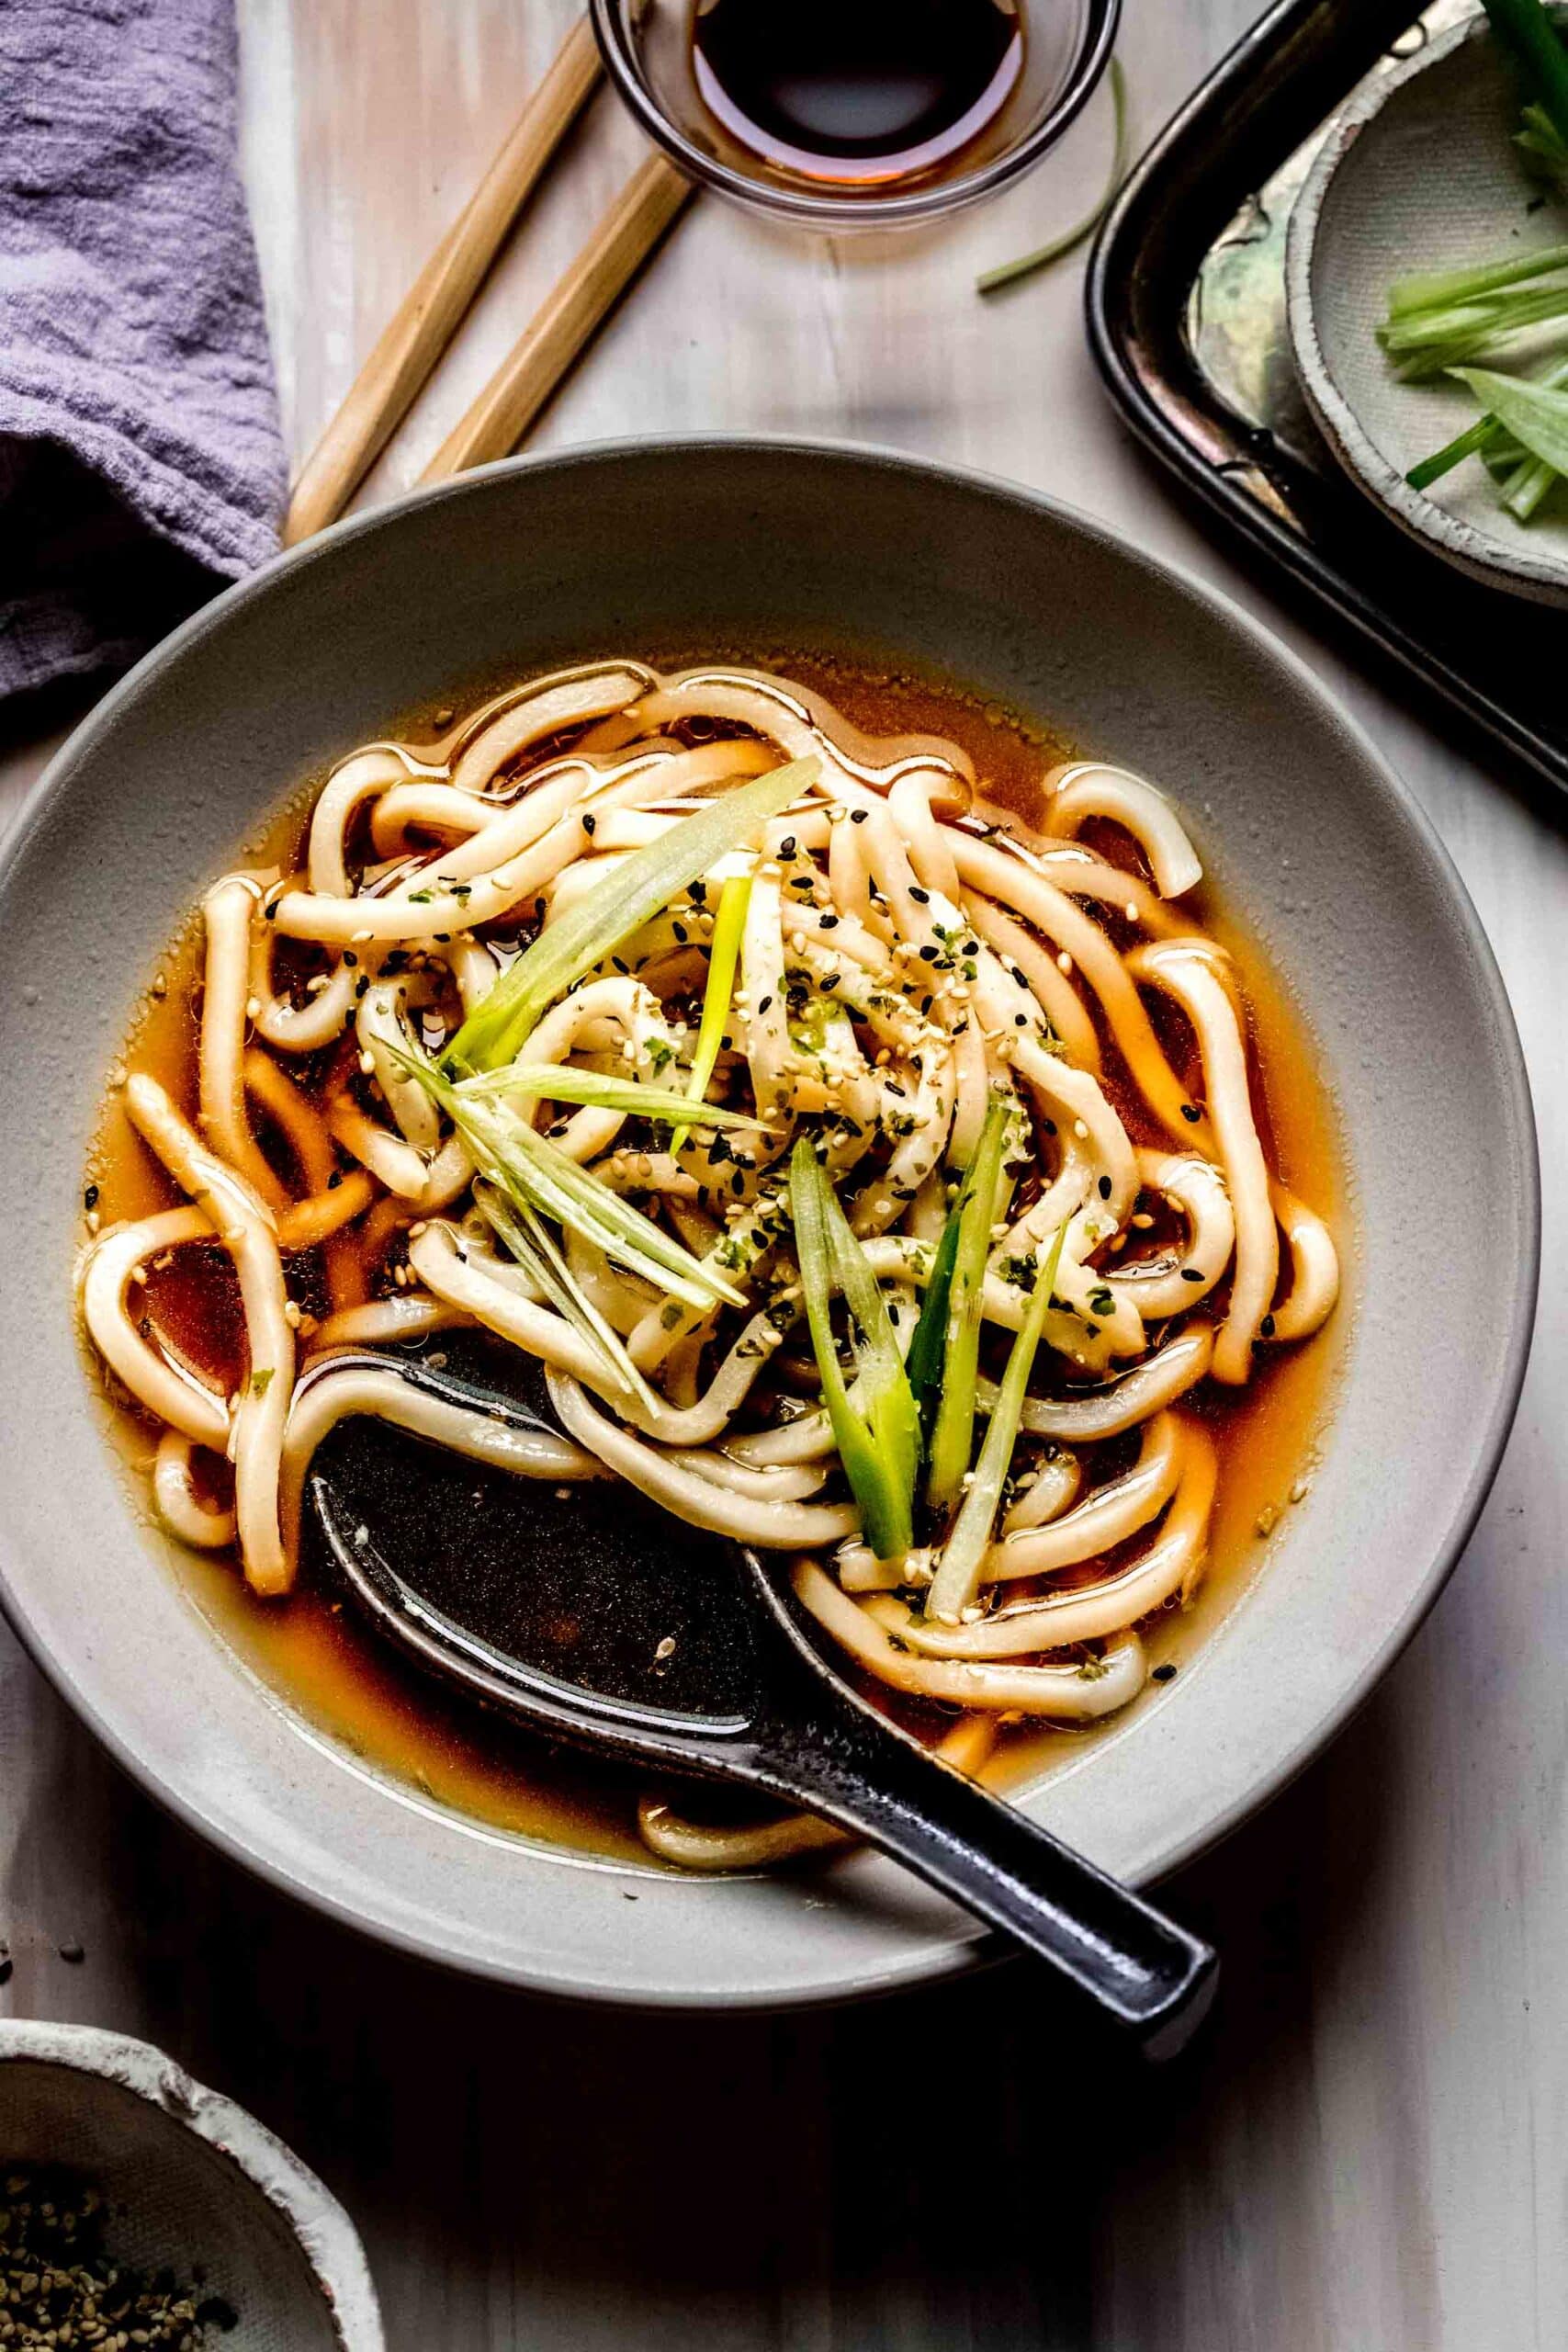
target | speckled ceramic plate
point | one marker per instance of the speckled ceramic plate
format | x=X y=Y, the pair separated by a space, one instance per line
x=752 y=543
x=1419 y=172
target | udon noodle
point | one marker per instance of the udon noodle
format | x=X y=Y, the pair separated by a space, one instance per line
x=875 y=1185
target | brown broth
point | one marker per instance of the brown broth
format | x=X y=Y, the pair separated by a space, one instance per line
x=346 y=1686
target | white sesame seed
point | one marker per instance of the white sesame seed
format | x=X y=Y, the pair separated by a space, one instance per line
x=1064 y=962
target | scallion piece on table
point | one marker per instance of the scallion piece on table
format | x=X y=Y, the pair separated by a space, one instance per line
x=875 y=1428
x=724 y=957
x=957 y=1578
x=1009 y=273
x=637 y=890
x=978 y=1209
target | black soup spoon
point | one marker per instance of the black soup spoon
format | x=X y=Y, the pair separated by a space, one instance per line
x=591 y=1617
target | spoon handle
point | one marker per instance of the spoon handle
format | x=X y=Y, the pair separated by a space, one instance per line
x=820 y=1744
x=1143 y=1971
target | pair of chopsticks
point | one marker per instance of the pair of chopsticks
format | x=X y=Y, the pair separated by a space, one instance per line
x=434 y=309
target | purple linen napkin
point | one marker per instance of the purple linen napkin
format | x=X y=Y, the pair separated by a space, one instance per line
x=140 y=451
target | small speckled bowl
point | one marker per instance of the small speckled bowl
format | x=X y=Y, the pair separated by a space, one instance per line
x=194 y=2184
x=1419 y=172
x=728 y=544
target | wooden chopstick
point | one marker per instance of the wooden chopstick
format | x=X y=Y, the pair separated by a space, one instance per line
x=642 y=214
x=427 y=319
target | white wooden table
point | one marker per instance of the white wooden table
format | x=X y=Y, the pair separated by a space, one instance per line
x=1369 y=2152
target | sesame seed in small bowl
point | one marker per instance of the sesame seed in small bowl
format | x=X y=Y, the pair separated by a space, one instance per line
x=139 y=2207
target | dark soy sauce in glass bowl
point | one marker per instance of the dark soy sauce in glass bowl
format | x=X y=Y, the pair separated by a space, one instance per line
x=857 y=92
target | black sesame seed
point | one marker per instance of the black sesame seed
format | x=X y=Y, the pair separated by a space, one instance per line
x=589 y=825
x=90 y=1197
x=1189 y=1111
x=334 y=1179
x=1105 y=1188
x=1165 y=1673
x=859 y=816
x=922 y=898
x=1267 y=1326
x=1190 y=1274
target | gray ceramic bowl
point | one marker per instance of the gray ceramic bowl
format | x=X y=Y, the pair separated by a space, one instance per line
x=1418 y=172
x=196 y=2185
x=755 y=544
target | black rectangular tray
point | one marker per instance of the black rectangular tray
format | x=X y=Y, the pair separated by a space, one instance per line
x=1187 y=322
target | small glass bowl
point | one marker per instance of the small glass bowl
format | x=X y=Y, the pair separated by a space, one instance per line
x=647 y=47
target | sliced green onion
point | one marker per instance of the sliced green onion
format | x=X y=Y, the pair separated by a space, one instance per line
x=926 y=1362
x=977 y=1208
x=1536 y=414
x=1525 y=29
x=957 y=1578
x=1485 y=439
x=533 y=1172
x=637 y=890
x=1470 y=443
x=1525 y=486
x=1542 y=145
x=529 y=1240
x=1435 y=290
x=724 y=957
x=600 y=1091
x=875 y=1430
x=1424 y=342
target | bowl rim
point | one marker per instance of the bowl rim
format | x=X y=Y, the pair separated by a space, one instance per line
x=1522 y=571
x=317 y=2222
x=840 y=214
x=961 y=1955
